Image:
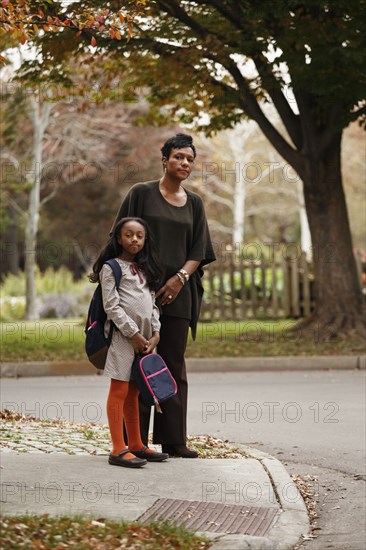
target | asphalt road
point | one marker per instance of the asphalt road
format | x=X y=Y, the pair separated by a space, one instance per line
x=314 y=422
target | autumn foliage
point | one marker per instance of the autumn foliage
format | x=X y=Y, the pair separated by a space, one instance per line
x=23 y=19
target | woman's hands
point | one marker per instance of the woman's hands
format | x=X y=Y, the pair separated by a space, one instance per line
x=170 y=290
x=142 y=345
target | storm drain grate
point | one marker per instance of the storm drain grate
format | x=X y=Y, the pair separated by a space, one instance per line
x=212 y=516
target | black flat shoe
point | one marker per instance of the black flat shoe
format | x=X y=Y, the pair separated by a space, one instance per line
x=150 y=457
x=179 y=450
x=126 y=462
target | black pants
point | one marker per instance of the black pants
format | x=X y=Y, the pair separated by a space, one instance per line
x=170 y=427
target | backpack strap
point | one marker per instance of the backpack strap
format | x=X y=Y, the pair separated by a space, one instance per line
x=117 y=271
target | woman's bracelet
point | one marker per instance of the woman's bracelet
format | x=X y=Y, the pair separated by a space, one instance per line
x=181 y=278
x=184 y=273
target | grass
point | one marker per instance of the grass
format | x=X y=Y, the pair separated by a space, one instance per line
x=265 y=338
x=43 y=340
x=63 y=340
x=45 y=532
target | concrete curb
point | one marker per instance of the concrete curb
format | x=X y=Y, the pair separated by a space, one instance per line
x=291 y=524
x=215 y=364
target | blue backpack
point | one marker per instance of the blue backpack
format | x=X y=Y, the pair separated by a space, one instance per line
x=96 y=344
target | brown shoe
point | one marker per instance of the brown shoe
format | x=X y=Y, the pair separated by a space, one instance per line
x=179 y=450
x=150 y=457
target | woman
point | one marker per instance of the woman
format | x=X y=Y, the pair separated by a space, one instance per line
x=177 y=220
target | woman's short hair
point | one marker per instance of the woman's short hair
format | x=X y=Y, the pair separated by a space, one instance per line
x=179 y=141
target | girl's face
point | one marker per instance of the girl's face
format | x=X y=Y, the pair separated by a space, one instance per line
x=180 y=163
x=132 y=239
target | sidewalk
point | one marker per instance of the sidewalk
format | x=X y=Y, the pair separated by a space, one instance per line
x=215 y=364
x=246 y=501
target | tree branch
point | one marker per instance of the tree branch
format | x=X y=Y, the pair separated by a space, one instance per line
x=359 y=113
x=216 y=182
x=246 y=99
x=216 y=198
x=288 y=117
x=172 y=8
x=250 y=106
x=229 y=15
x=214 y=224
x=16 y=206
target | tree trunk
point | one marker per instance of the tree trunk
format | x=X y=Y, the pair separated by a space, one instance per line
x=40 y=118
x=31 y=227
x=239 y=211
x=305 y=236
x=339 y=300
x=12 y=258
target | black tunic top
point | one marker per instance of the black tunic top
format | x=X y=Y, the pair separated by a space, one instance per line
x=181 y=234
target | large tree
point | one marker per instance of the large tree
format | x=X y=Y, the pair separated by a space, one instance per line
x=226 y=58
x=223 y=58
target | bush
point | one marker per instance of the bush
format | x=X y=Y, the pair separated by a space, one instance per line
x=58 y=295
x=12 y=308
x=258 y=284
x=13 y=285
x=58 y=306
x=50 y=280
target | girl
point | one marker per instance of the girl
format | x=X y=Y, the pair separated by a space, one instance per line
x=132 y=309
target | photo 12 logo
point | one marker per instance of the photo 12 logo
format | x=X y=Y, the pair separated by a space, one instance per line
x=68 y=492
x=268 y=411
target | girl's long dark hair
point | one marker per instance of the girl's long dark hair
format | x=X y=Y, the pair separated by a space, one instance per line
x=146 y=259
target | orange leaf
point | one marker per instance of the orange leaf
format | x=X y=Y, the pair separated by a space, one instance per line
x=112 y=33
x=118 y=36
x=93 y=42
x=130 y=31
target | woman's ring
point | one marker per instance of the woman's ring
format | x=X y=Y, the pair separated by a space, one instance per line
x=170 y=296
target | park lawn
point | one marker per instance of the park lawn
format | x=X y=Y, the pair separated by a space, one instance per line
x=63 y=340
x=42 y=340
x=44 y=532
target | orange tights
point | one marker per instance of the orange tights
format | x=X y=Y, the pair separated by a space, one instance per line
x=122 y=405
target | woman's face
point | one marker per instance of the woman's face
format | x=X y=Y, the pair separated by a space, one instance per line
x=180 y=163
x=132 y=238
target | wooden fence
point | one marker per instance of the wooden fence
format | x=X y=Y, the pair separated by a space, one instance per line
x=260 y=289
